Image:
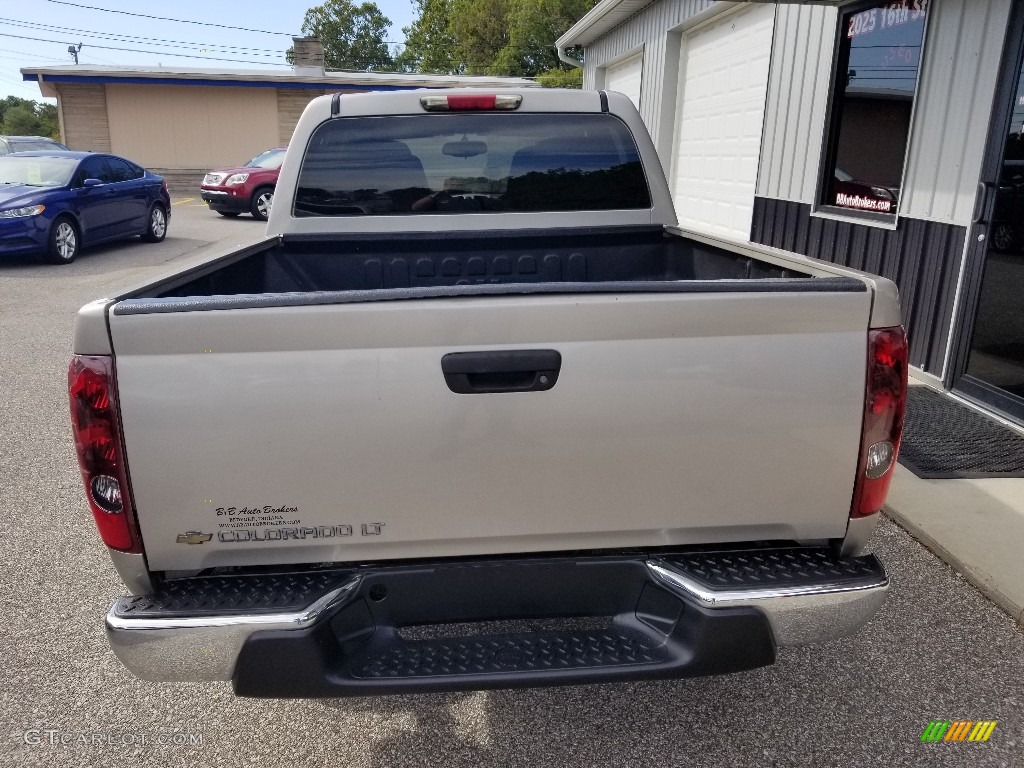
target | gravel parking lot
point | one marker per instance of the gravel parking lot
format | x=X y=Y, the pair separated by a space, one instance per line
x=937 y=650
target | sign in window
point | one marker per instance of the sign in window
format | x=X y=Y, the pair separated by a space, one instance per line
x=876 y=72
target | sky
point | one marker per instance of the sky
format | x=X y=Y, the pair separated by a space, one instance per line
x=37 y=33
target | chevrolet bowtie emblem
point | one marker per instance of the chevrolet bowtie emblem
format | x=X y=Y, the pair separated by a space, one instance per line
x=194 y=537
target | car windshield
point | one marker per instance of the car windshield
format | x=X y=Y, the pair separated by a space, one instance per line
x=270 y=159
x=37 y=171
x=22 y=145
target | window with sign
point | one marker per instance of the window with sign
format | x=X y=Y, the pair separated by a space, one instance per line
x=877 y=64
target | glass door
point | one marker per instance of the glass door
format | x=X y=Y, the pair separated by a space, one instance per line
x=991 y=354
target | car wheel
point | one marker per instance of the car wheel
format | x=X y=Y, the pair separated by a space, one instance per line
x=156 y=230
x=1002 y=237
x=229 y=214
x=262 y=199
x=64 y=241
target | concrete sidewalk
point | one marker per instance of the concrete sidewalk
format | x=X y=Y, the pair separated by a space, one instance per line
x=977 y=526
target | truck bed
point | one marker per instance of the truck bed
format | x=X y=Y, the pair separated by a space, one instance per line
x=628 y=259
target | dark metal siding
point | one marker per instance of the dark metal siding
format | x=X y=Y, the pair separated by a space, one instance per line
x=921 y=257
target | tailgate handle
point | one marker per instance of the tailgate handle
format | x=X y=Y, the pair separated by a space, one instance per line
x=521 y=370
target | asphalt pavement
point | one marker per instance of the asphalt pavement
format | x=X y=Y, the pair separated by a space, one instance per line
x=938 y=650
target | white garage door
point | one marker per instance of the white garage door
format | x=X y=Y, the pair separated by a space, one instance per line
x=724 y=80
x=625 y=77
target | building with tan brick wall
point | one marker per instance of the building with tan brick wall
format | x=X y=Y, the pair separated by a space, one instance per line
x=182 y=122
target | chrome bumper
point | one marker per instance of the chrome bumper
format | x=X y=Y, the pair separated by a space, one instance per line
x=798 y=615
x=200 y=648
x=812 y=601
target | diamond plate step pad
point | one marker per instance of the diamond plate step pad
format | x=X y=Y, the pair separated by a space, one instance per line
x=264 y=593
x=776 y=568
x=509 y=654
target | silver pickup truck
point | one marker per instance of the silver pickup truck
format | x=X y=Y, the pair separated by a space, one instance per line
x=476 y=414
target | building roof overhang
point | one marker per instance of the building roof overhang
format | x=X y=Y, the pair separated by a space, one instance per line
x=600 y=20
x=48 y=77
x=608 y=14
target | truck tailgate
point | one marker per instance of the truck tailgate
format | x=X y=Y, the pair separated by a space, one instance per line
x=304 y=434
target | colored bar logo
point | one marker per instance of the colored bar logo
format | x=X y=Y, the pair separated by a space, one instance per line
x=958 y=730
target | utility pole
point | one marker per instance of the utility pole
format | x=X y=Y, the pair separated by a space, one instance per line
x=74 y=51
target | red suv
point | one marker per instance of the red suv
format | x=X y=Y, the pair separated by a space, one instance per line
x=250 y=188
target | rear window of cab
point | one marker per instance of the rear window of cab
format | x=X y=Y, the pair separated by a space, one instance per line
x=466 y=163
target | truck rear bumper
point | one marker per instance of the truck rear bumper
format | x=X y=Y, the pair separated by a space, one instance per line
x=395 y=628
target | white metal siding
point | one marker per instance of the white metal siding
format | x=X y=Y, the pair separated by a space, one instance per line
x=649 y=28
x=626 y=77
x=961 y=61
x=962 y=49
x=724 y=76
x=963 y=44
x=801 y=71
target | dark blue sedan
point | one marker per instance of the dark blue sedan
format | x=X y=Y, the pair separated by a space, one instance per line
x=53 y=203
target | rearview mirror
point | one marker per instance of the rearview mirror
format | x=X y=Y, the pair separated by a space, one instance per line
x=92 y=183
x=464 y=148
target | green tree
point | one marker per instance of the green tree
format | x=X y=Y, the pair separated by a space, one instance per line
x=561 y=78
x=29 y=118
x=481 y=29
x=534 y=25
x=492 y=37
x=49 y=124
x=430 y=44
x=8 y=102
x=20 y=121
x=353 y=35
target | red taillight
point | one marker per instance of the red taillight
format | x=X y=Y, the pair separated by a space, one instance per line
x=469 y=102
x=884 y=403
x=483 y=101
x=97 y=431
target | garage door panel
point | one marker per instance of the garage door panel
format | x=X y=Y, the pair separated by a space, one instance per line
x=724 y=77
x=626 y=77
